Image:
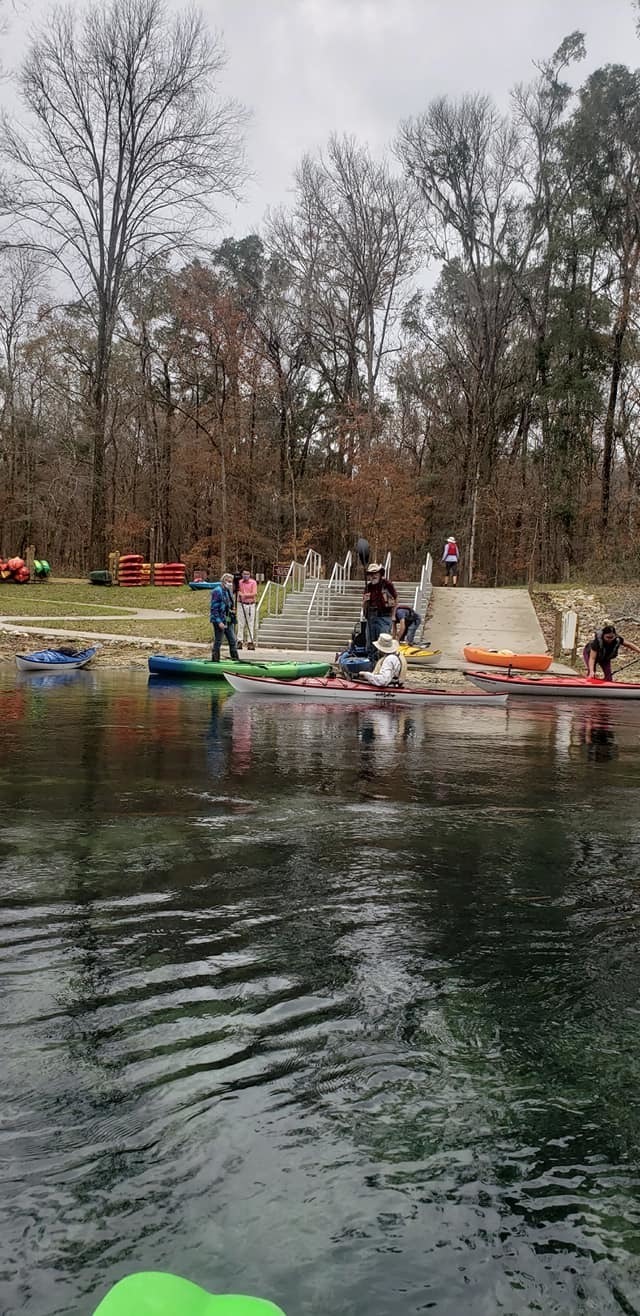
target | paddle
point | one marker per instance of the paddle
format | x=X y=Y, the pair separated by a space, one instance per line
x=618 y=671
x=154 y=1293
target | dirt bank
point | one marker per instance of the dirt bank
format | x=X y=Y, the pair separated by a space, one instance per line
x=617 y=603
x=111 y=654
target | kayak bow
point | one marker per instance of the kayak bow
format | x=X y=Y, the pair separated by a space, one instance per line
x=562 y=687
x=155 y=1293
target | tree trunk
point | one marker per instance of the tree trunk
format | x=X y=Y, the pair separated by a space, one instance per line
x=609 y=424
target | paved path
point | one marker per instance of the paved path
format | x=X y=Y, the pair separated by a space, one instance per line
x=495 y=618
x=127 y=614
x=161 y=643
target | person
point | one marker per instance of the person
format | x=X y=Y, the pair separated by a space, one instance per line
x=378 y=604
x=451 y=559
x=406 y=624
x=603 y=648
x=222 y=617
x=391 y=667
x=247 y=599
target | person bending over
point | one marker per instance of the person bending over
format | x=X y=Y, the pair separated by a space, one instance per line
x=406 y=624
x=603 y=648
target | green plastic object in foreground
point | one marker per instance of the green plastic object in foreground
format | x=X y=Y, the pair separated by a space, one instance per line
x=153 y=1293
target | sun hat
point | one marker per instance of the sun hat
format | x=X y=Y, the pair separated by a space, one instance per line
x=386 y=644
x=451 y=539
x=374 y=566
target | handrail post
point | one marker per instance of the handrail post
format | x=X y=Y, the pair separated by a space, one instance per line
x=313 y=599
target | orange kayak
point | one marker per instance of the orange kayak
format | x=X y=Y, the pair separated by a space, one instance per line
x=524 y=662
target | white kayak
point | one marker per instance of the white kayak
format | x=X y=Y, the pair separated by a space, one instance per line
x=554 y=687
x=337 y=688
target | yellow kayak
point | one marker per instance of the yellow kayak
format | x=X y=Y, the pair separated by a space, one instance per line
x=417 y=657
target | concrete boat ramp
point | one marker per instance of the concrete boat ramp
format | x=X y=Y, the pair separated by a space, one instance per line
x=491 y=618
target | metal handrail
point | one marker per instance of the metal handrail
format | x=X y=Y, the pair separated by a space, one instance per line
x=332 y=583
x=312 y=565
x=346 y=567
x=313 y=599
x=387 y=565
x=425 y=580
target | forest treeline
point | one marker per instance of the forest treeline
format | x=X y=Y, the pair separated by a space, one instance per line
x=441 y=342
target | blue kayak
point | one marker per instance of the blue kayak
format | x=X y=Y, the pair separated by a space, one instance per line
x=55 y=660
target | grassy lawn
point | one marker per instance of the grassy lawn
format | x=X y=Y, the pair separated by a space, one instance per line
x=55 y=597
x=183 y=628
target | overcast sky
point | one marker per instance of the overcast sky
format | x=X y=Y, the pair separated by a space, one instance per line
x=308 y=67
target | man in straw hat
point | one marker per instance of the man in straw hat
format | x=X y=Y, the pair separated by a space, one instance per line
x=378 y=605
x=391 y=667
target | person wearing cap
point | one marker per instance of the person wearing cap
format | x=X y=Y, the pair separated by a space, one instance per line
x=391 y=667
x=247 y=598
x=222 y=617
x=378 y=604
x=603 y=648
x=451 y=559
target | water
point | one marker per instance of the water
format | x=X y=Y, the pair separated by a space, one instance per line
x=336 y=1006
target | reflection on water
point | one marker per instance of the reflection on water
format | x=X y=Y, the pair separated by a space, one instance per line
x=335 y=1005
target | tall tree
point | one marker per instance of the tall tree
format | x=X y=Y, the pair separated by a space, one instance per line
x=349 y=245
x=604 y=139
x=127 y=143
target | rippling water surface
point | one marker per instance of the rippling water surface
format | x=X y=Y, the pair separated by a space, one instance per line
x=336 y=1006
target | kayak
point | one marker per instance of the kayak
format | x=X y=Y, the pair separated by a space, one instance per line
x=156 y=1293
x=54 y=660
x=160 y=665
x=417 y=657
x=580 y=687
x=337 y=688
x=524 y=662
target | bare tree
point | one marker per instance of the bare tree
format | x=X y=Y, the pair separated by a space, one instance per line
x=21 y=279
x=126 y=146
x=349 y=246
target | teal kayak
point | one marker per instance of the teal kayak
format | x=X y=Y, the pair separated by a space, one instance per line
x=153 y=1293
x=160 y=665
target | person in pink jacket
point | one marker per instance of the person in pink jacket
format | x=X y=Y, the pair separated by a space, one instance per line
x=247 y=601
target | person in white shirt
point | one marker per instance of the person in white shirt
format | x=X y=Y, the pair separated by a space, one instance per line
x=391 y=668
x=247 y=597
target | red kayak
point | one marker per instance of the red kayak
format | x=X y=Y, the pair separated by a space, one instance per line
x=563 y=687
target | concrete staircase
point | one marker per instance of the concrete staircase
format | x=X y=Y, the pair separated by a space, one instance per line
x=331 y=622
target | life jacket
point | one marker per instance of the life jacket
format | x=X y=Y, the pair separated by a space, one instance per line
x=399 y=679
x=451 y=550
x=610 y=649
x=382 y=598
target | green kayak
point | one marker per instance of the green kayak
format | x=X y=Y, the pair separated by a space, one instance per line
x=153 y=1293
x=159 y=665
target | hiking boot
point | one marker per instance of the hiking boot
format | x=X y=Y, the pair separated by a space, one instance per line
x=251 y=646
x=239 y=644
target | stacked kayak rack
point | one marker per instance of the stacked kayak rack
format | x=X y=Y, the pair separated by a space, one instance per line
x=130 y=571
x=169 y=573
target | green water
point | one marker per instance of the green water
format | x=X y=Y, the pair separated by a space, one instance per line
x=336 y=1006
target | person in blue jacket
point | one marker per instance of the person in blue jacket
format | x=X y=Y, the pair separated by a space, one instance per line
x=222 y=616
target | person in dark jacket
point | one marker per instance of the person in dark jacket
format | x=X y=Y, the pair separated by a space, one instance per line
x=407 y=623
x=223 y=617
x=378 y=605
x=603 y=648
